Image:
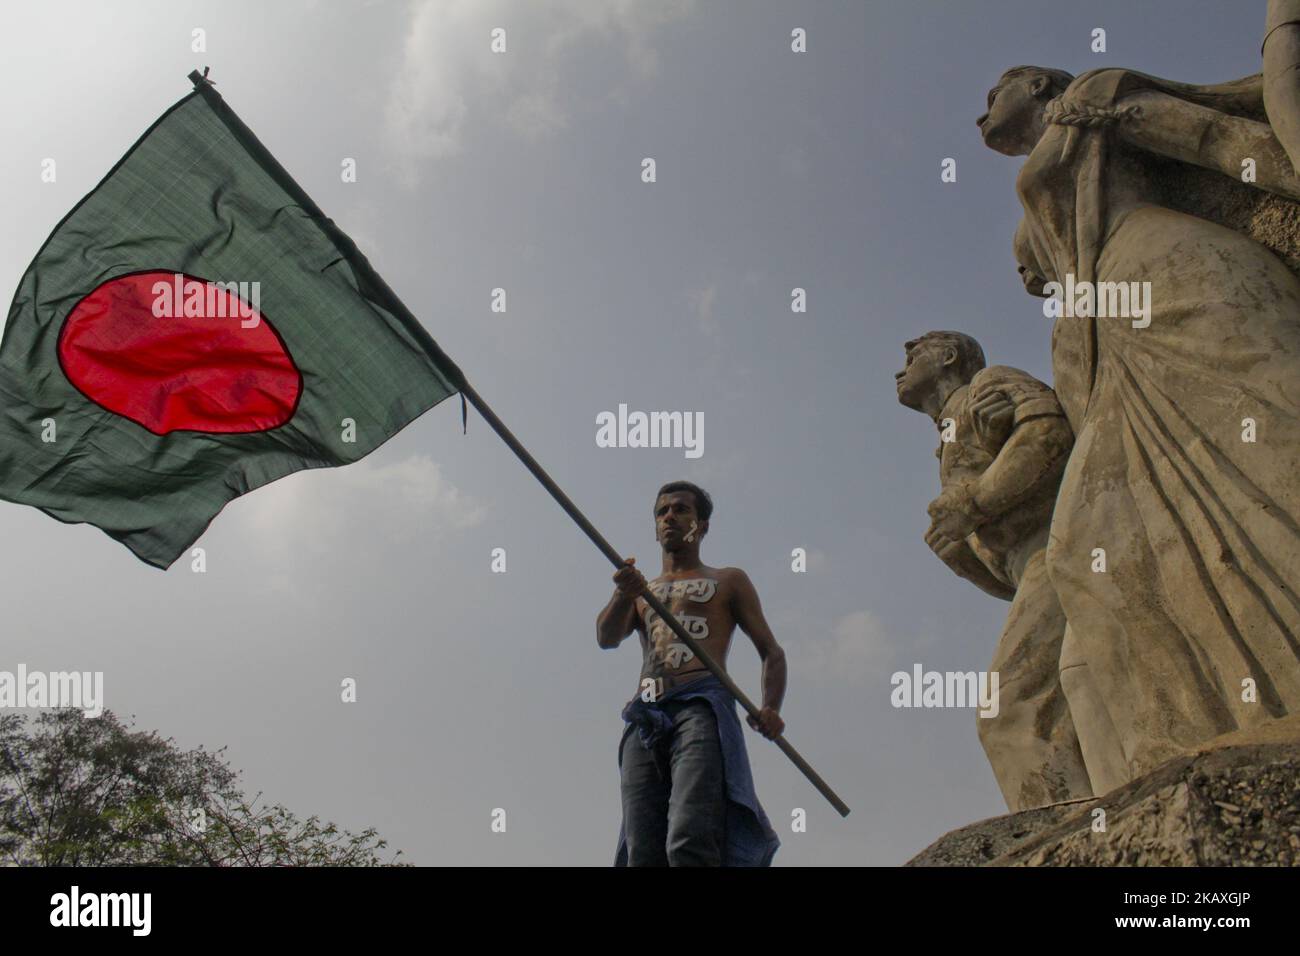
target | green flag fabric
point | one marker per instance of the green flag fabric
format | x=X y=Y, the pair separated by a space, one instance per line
x=193 y=329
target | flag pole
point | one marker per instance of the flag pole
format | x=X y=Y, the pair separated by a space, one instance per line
x=371 y=284
x=657 y=605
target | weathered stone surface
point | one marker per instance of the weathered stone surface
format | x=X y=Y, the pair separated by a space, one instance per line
x=1270 y=220
x=1234 y=802
x=1175 y=538
x=978 y=844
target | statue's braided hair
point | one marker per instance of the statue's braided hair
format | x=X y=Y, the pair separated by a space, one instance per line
x=1064 y=113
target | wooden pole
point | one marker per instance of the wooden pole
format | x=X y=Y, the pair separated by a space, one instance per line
x=616 y=559
x=375 y=286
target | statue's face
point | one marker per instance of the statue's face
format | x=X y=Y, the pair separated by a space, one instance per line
x=1014 y=118
x=920 y=376
x=1034 y=283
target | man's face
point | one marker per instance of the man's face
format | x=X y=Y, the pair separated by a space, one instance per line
x=1015 y=112
x=920 y=376
x=675 y=520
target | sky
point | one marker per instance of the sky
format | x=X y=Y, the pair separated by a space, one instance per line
x=775 y=170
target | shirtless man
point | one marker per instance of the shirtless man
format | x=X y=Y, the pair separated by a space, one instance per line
x=688 y=795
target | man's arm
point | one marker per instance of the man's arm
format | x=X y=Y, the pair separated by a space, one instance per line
x=748 y=613
x=618 y=618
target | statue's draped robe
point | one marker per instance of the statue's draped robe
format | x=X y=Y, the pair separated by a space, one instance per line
x=1281 y=12
x=1200 y=529
x=1280 y=82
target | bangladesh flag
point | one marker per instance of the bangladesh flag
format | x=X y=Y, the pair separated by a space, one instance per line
x=194 y=329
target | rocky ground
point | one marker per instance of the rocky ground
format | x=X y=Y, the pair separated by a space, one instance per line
x=1234 y=802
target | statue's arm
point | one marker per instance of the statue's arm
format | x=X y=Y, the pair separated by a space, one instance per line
x=1282 y=73
x=964 y=563
x=1020 y=422
x=1179 y=129
x=1029 y=465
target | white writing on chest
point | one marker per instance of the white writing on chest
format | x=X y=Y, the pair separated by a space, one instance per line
x=664 y=648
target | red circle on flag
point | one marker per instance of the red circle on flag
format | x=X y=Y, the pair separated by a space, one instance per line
x=176 y=353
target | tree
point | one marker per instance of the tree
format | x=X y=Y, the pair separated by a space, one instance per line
x=78 y=791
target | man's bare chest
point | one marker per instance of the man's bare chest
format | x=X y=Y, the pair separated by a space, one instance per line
x=700 y=604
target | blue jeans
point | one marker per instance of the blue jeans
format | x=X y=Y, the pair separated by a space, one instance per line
x=674 y=795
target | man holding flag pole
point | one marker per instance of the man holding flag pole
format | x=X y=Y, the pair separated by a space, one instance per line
x=688 y=794
x=195 y=328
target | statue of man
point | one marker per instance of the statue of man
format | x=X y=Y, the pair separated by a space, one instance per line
x=1004 y=444
x=688 y=794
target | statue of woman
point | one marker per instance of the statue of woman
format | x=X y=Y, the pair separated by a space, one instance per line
x=1175 y=542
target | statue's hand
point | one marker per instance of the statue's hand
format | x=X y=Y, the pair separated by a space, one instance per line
x=959 y=558
x=953 y=513
x=948 y=550
x=992 y=416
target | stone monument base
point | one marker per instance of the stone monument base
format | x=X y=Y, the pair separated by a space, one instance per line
x=1235 y=801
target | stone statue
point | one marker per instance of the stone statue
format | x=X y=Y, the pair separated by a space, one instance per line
x=1004 y=444
x=1175 y=542
x=1281 y=51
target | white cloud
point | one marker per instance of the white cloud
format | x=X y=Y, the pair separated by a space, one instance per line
x=425 y=104
x=701 y=301
x=536 y=115
x=448 y=77
x=360 y=222
x=858 y=650
x=326 y=507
